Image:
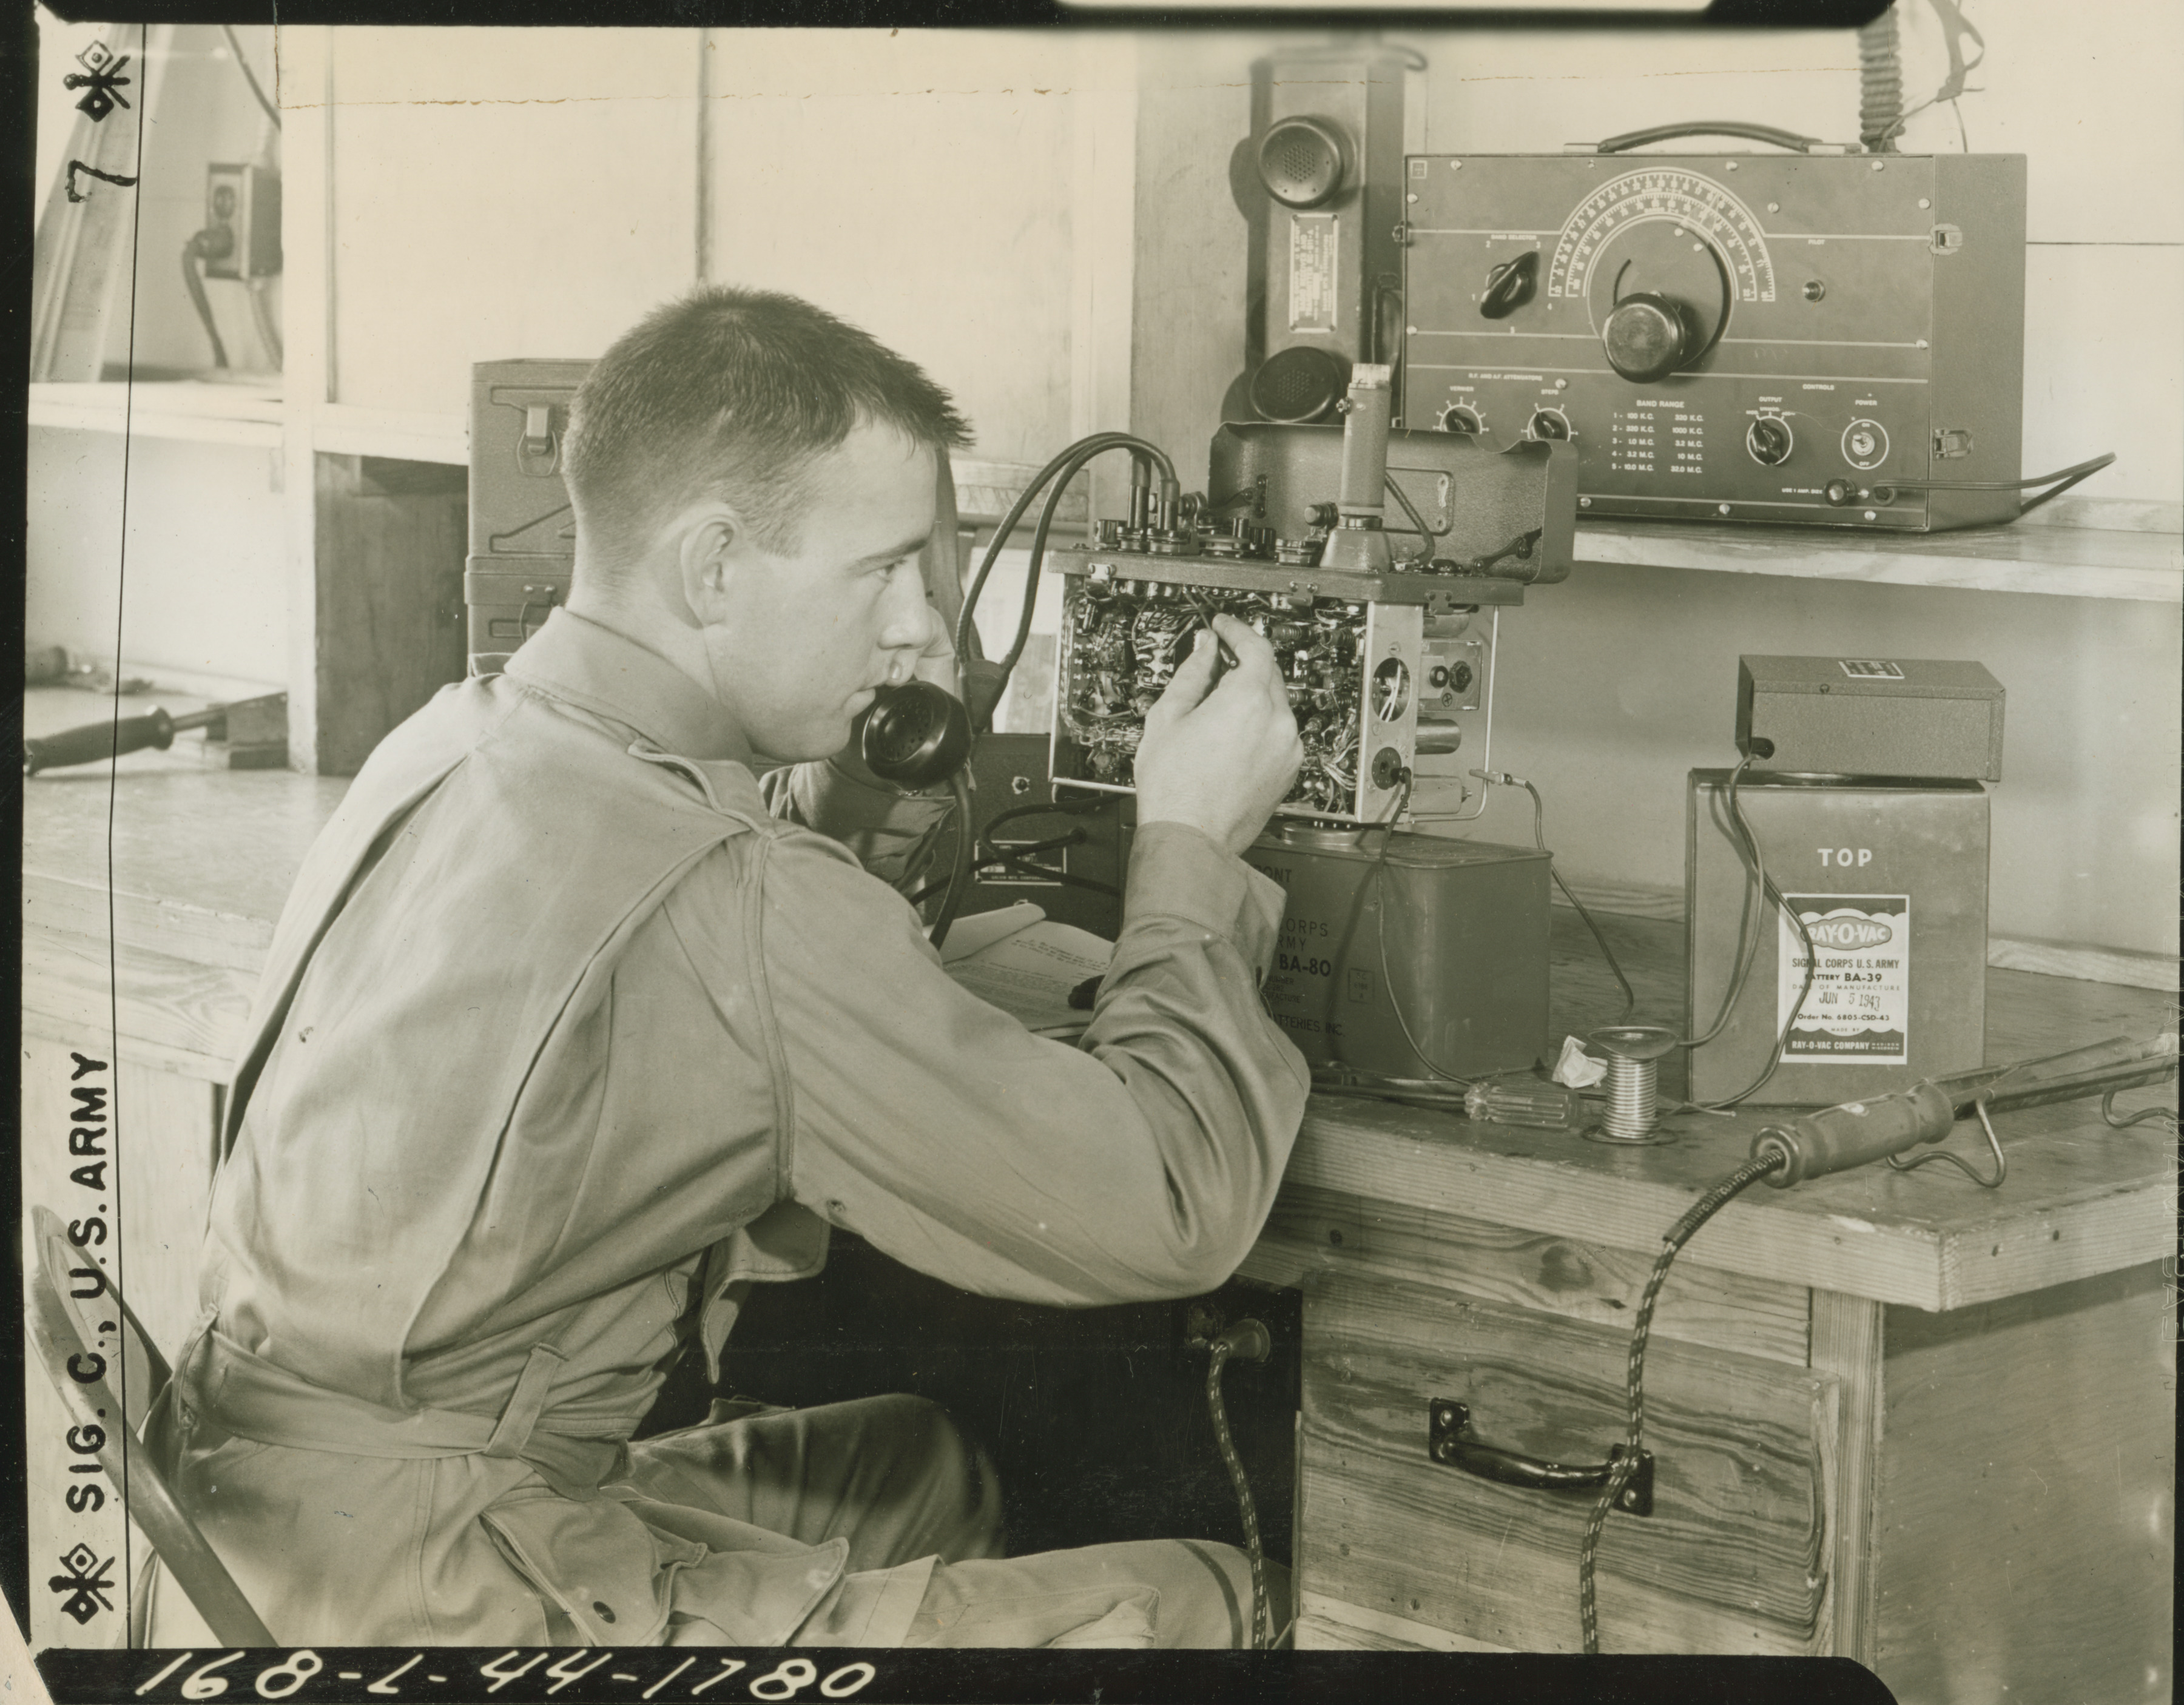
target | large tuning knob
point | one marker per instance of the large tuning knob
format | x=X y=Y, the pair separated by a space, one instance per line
x=1650 y=335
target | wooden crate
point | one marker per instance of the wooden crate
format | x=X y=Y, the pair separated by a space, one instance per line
x=1736 y=1557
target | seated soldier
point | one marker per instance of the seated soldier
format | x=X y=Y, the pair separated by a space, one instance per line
x=574 y=1028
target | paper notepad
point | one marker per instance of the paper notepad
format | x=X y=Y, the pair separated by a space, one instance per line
x=1020 y=961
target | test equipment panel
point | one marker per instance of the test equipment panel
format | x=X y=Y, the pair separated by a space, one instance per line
x=1760 y=338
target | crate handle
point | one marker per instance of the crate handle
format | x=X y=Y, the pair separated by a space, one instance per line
x=1448 y=1442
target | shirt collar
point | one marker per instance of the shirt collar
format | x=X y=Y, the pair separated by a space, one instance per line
x=611 y=675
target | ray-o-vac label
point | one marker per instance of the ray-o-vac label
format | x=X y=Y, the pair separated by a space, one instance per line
x=1859 y=1009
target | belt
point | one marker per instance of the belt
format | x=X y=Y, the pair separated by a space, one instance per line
x=254 y=1399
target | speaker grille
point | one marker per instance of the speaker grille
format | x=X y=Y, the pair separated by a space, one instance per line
x=1302 y=161
x=1299 y=384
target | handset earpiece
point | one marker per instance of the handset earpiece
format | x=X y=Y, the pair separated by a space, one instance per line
x=916 y=735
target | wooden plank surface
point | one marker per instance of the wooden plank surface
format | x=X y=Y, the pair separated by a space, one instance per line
x=1735 y=1557
x=171 y=1003
x=213 y=853
x=2027 y=1541
x=2079 y=563
x=227 y=842
x=1313 y=1232
x=1847 y=1343
x=1328 y=1625
x=390 y=553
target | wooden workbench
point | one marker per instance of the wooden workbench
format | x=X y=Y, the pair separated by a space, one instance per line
x=1896 y=1417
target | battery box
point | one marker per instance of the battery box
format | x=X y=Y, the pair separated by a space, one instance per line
x=1919 y=717
x=1891 y=879
x=1386 y=933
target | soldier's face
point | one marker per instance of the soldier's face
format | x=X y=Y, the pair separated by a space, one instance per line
x=799 y=638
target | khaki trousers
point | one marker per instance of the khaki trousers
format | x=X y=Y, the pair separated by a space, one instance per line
x=893 y=1477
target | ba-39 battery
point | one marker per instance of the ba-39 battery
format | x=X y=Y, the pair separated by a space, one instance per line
x=1891 y=881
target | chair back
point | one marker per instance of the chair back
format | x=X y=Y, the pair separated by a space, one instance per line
x=79 y=1352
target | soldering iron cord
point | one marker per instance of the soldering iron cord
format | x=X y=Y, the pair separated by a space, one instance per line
x=1619 y=1472
x=1261 y=1628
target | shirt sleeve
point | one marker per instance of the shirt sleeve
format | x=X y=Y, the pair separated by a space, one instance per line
x=892 y=833
x=1140 y=1164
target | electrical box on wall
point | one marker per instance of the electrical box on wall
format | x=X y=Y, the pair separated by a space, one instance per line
x=243 y=222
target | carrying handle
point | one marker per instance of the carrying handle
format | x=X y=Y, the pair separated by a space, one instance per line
x=1448 y=1442
x=1724 y=127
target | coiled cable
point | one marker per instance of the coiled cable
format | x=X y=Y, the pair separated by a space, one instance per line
x=1880 y=83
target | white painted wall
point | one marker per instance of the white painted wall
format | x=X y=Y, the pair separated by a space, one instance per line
x=533 y=193
x=203 y=590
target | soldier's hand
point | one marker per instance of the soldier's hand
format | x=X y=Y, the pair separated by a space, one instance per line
x=1220 y=753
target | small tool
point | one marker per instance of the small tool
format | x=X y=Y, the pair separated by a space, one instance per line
x=255 y=728
x=1886 y=1127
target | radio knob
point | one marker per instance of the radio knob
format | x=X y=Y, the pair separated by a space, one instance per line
x=1648 y=337
x=1769 y=441
x=1459 y=418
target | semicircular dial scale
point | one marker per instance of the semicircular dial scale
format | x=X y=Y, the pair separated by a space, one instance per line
x=1667 y=235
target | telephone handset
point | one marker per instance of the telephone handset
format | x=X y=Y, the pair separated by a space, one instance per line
x=917 y=735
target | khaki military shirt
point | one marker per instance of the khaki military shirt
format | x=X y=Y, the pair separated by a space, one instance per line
x=572 y=1029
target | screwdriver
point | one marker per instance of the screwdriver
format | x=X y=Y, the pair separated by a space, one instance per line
x=1836 y=1139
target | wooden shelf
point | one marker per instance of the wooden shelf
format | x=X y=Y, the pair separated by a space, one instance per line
x=343 y=429
x=2060 y=561
x=205 y=414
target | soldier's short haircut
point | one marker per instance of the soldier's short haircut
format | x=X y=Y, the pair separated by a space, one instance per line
x=732 y=394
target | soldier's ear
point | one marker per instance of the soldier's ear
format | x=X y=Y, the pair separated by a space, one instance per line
x=711 y=543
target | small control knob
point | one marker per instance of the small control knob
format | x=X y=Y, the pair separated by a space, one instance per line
x=1460 y=417
x=1769 y=441
x=1865 y=444
x=1648 y=337
x=1510 y=286
x=1550 y=423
